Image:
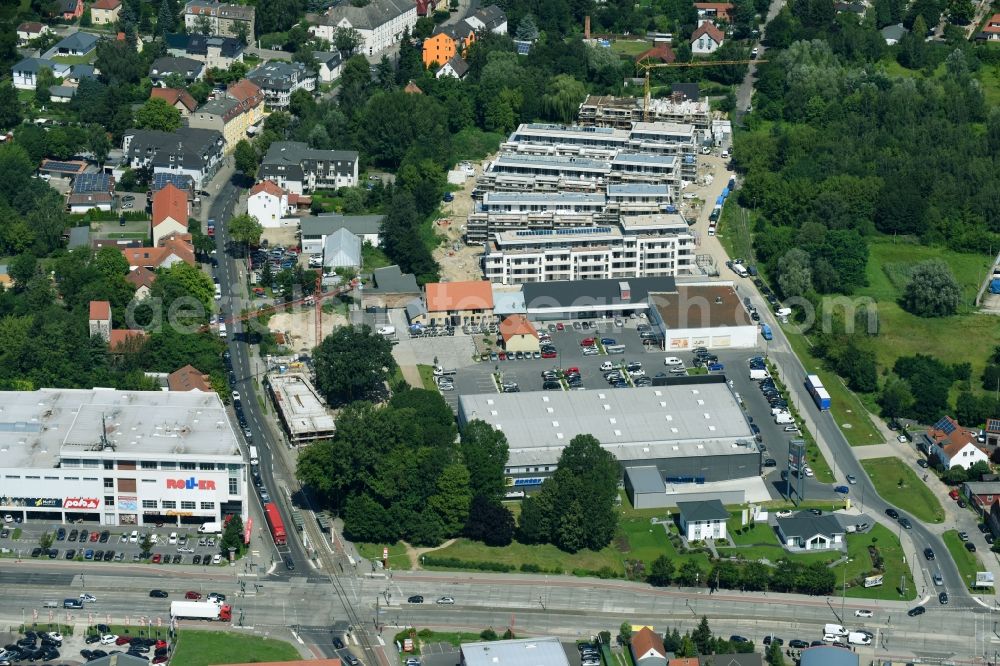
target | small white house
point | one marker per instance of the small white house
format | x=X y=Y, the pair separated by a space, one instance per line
x=25 y=73
x=954 y=445
x=269 y=204
x=706 y=38
x=806 y=531
x=703 y=520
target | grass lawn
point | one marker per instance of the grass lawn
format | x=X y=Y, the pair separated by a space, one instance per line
x=427 y=377
x=373 y=257
x=847 y=410
x=473 y=143
x=398 y=558
x=968 y=563
x=75 y=60
x=203 y=648
x=898 y=485
x=629 y=47
x=859 y=566
x=735 y=238
x=426 y=637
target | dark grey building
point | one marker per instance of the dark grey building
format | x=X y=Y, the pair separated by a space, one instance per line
x=587 y=299
x=187 y=151
x=297 y=168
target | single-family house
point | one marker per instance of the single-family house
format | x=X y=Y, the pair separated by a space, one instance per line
x=270 y=204
x=893 y=33
x=279 y=80
x=660 y=53
x=954 y=445
x=81 y=202
x=179 y=98
x=298 y=168
x=105 y=12
x=456 y=68
x=330 y=65
x=702 y=520
x=31 y=30
x=459 y=303
x=446 y=42
x=341 y=249
x=390 y=288
x=231 y=113
x=991 y=29
x=142 y=279
x=170 y=213
x=755 y=659
x=315 y=228
x=379 y=23
x=81 y=71
x=75 y=44
x=715 y=10
x=856 y=8
x=189 y=69
x=991 y=434
x=807 y=531
x=100 y=320
x=518 y=334
x=25 y=73
x=197 y=153
x=981 y=494
x=706 y=38
x=172 y=249
x=683 y=661
x=488 y=19
x=647 y=648
x=180 y=181
x=221 y=19
x=69 y=10
x=189 y=378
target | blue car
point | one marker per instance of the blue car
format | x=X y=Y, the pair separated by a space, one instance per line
x=716 y=367
x=608 y=341
x=843 y=490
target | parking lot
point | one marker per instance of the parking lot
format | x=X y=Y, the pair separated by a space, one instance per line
x=111 y=544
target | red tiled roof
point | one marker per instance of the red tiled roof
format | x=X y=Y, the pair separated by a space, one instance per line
x=413 y=89
x=516 y=325
x=188 y=378
x=722 y=9
x=170 y=203
x=106 y=4
x=30 y=27
x=958 y=439
x=245 y=91
x=645 y=640
x=141 y=277
x=120 y=337
x=708 y=28
x=453 y=296
x=268 y=186
x=174 y=95
x=100 y=310
x=660 y=52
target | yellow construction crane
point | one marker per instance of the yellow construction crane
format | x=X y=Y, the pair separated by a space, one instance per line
x=646 y=65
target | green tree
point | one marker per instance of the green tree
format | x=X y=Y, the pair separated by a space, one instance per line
x=896 y=398
x=111 y=263
x=165 y=18
x=245 y=159
x=563 y=97
x=158 y=114
x=932 y=290
x=661 y=572
x=180 y=283
x=689 y=574
x=352 y=363
x=347 y=41
x=625 y=633
x=484 y=450
x=245 y=229
x=232 y=536
x=45 y=79
x=22 y=268
x=794 y=274
x=10 y=106
x=203 y=25
x=775 y=657
x=366 y=520
x=702 y=636
x=453 y=497
x=490 y=522
x=527 y=29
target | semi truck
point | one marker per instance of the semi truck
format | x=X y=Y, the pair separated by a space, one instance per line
x=275 y=524
x=819 y=394
x=201 y=610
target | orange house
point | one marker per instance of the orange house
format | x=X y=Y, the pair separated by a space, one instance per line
x=446 y=42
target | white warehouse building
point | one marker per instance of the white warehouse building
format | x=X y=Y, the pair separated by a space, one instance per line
x=119 y=457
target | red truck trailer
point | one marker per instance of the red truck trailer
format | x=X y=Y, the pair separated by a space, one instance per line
x=275 y=524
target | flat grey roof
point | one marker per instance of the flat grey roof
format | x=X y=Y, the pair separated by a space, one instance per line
x=302 y=409
x=644 y=158
x=544 y=197
x=639 y=188
x=37 y=428
x=551 y=160
x=689 y=419
x=544 y=651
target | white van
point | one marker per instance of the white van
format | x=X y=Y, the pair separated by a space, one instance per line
x=222 y=330
x=218 y=292
x=757 y=374
x=387 y=331
x=783 y=418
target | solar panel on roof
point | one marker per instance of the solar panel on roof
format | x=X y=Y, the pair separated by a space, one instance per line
x=523 y=48
x=86 y=183
x=945 y=426
x=67 y=167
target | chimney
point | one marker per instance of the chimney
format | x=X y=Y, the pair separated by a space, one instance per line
x=586 y=27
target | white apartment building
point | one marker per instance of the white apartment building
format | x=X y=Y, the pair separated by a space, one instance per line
x=119 y=457
x=504 y=211
x=638 y=246
x=380 y=23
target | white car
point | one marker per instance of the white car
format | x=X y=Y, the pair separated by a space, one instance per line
x=863 y=612
x=672 y=360
x=89 y=598
x=153 y=538
x=55 y=636
x=134 y=537
x=216 y=558
x=236 y=396
x=607 y=365
x=678 y=370
x=185 y=550
x=173 y=538
x=637 y=373
x=447 y=601
x=108 y=639
x=784 y=514
x=808 y=472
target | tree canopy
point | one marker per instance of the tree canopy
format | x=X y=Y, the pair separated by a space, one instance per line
x=352 y=364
